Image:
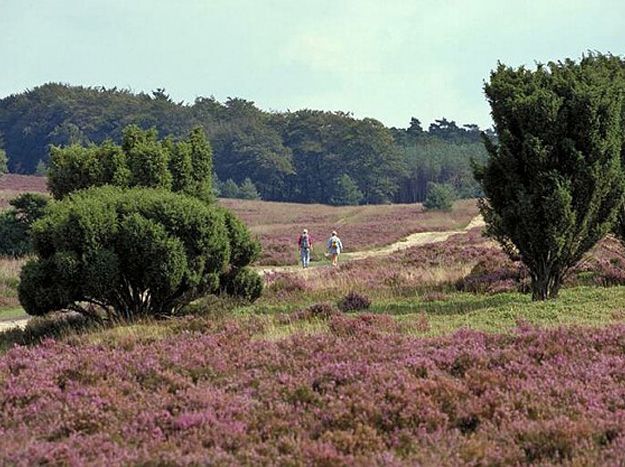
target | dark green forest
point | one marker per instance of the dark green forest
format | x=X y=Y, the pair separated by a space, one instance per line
x=303 y=156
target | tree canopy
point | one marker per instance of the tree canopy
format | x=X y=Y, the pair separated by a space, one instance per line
x=142 y=160
x=554 y=183
x=288 y=156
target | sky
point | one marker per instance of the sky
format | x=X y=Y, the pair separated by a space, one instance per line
x=386 y=59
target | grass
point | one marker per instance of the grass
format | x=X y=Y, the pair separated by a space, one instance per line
x=579 y=306
x=421 y=316
x=12 y=313
x=9 y=279
x=497 y=313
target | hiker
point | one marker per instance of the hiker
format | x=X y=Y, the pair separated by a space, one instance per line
x=304 y=242
x=334 y=248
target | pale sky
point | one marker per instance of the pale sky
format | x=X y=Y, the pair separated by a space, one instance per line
x=386 y=59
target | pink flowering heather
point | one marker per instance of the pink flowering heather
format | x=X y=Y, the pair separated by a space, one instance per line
x=363 y=394
x=278 y=225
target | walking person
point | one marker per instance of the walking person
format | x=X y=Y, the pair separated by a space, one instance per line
x=304 y=242
x=335 y=246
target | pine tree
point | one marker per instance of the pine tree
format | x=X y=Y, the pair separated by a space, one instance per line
x=346 y=192
x=41 y=170
x=230 y=189
x=440 y=197
x=247 y=190
x=4 y=162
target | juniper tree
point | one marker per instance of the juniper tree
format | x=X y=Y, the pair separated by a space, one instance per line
x=113 y=252
x=346 y=192
x=142 y=160
x=247 y=190
x=553 y=183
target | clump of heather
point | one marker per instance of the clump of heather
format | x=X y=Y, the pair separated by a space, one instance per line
x=368 y=396
x=495 y=273
x=354 y=301
x=323 y=310
x=283 y=285
x=433 y=296
x=363 y=324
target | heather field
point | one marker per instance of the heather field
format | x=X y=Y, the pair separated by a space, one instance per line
x=12 y=185
x=278 y=225
x=362 y=393
x=432 y=355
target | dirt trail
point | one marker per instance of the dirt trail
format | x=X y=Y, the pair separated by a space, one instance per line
x=415 y=239
x=13 y=323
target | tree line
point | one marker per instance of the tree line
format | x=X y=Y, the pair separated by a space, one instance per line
x=303 y=156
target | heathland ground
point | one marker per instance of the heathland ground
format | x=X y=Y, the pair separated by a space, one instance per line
x=429 y=354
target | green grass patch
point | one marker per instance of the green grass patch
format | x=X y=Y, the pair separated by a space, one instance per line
x=580 y=306
x=419 y=316
x=12 y=313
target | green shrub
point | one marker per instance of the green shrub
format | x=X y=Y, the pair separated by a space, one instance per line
x=440 y=197
x=346 y=192
x=15 y=223
x=114 y=252
x=248 y=190
x=244 y=283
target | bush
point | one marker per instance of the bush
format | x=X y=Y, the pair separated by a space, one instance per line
x=244 y=283
x=113 y=252
x=354 y=301
x=323 y=310
x=440 y=197
x=495 y=274
x=15 y=223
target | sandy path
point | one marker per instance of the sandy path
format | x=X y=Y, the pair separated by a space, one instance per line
x=415 y=239
x=13 y=323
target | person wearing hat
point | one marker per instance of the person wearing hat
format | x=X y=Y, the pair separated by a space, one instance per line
x=335 y=246
x=305 y=247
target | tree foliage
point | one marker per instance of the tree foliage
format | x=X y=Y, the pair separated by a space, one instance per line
x=291 y=156
x=247 y=190
x=346 y=192
x=15 y=223
x=554 y=183
x=440 y=197
x=4 y=162
x=110 y=251
x=142 y=160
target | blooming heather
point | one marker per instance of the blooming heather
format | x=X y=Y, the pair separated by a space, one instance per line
x=366 y=395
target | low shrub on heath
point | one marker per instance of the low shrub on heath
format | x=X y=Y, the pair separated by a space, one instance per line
x=323 y=310
x=354 y=301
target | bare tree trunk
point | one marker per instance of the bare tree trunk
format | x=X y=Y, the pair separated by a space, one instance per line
x=546 y=283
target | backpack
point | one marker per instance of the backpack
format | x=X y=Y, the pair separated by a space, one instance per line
x=305 y=243
x=335 y=244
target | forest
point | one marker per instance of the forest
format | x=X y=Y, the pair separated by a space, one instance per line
x=307 y=156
